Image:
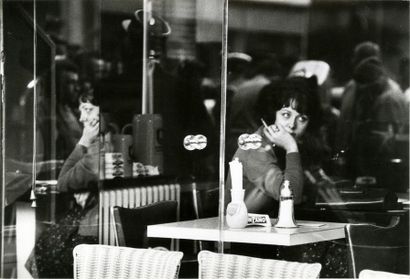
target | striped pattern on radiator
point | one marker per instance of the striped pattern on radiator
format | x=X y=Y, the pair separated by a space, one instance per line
x=130 y=198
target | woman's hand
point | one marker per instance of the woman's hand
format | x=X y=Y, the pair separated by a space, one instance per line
x=90 y=132
x=277 y=135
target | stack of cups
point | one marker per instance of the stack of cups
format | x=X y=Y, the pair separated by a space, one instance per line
x=114 y=165
x=138 y=169
x=123 y=143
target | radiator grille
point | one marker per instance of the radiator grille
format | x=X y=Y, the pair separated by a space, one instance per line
x=131 y=197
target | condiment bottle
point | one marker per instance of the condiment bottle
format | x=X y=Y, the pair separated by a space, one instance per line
x=236 y=211
x=286 y=218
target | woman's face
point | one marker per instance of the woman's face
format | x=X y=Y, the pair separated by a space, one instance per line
x=89 y=113
x=294 y=122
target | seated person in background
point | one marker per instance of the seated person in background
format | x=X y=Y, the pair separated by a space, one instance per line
x=68 y=90
x=291 y=145
x=373 y=112
x=238 y=64
x=52 y=255
x=242 y=92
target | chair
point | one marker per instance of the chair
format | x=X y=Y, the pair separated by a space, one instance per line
x=206 y=204
x=378 y=248
x=104 y=261
x=131 y=223
x=373 y=274
x=215 y=265
x=202 y=199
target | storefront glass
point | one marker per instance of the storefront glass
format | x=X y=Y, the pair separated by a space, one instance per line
x=157 y=97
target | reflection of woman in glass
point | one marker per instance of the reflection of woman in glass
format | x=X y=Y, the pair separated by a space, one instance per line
x=292 y=110
x=79 y=175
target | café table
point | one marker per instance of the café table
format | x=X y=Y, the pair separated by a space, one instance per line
x=207 y=229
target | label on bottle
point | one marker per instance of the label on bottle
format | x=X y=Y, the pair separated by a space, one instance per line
x=232 y=209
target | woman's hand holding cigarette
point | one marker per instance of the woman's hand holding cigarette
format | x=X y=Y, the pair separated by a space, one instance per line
x=277 y=135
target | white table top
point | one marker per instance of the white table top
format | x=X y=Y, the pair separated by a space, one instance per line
x=207 y=229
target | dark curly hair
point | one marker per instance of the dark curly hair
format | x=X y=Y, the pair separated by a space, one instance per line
x=303 y=95
x=89 y=94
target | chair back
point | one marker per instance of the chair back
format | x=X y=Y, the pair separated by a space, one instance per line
x=208 y=202
x=203 y=198
x=131 y=223
x=104 y=261
x=378 y=248
x=215 y=265
x=373 y=274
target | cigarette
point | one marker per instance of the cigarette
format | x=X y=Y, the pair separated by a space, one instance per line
x=267 y=127
x=264 y=123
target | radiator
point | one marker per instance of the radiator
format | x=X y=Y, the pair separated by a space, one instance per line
x=131 y=197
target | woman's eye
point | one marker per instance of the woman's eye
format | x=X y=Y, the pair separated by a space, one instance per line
x=286 y=114
x=303 y=118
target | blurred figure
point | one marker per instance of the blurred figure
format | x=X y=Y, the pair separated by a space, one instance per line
x=238 y=64
x=69 y=128
x=405 y=77
x=373 y=111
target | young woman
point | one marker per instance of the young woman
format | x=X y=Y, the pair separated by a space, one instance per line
x=292 y=145
x=290 y=142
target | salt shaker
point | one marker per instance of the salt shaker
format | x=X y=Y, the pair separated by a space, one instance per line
x=286 y=217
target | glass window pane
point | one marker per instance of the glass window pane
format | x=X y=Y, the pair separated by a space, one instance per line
x=119 y=103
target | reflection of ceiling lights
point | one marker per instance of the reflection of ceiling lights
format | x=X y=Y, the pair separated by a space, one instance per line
x=32 y=83
x=59 y=57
